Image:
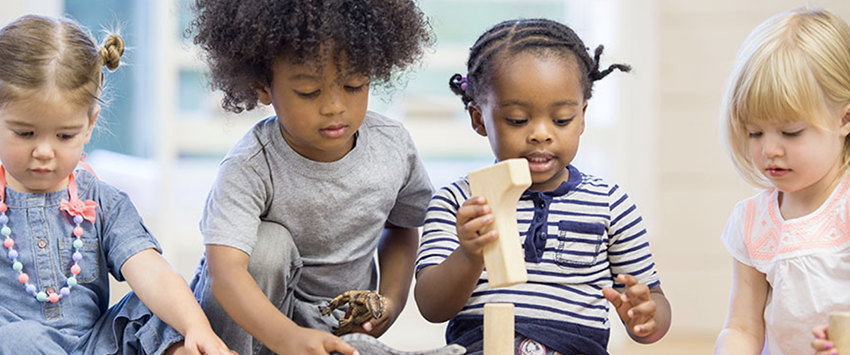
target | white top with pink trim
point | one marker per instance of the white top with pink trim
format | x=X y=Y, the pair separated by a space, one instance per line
x=806 y=260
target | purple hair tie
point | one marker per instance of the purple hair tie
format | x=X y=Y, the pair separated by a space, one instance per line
x=463 y=84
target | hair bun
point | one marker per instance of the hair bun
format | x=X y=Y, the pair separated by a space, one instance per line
x=111 y=51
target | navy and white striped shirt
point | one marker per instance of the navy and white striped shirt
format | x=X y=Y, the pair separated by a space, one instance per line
x=576 y=240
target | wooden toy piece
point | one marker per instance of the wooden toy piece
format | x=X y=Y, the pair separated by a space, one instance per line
x=499 y=329
x=839 y=331
x=502 y=185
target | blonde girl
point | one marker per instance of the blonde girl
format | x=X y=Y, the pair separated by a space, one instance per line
x=785 y=119
x=64 y=231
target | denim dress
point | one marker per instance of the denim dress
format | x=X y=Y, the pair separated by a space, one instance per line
x=81 y=322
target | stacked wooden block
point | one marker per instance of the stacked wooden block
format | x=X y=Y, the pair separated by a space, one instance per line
x=502 y=185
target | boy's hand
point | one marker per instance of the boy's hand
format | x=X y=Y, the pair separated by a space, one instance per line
x=306 y=341
x=471 y=217
x=377 y=327
x=635 y=307
x=821 y=345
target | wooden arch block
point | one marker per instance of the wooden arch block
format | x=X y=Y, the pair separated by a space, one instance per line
x=502 y=185
x=839 y=331
x=499 y=329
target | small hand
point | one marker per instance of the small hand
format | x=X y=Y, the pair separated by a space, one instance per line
x=306 y=341
x=821 y=345
x=473 y=215
x=206 y=343
x=635 y=307
x=377 y=327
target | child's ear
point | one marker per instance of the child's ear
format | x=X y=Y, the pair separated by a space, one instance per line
x=844 y=129
x=476 y=118
x=264 y=93
x=583 y=114
x=92 y=120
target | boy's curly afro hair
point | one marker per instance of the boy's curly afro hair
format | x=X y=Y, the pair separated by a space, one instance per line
x=243 y=38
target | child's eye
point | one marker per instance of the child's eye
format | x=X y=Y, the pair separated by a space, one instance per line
x=24 y=134
x=350 y=88
x=515 y=121
x=755 y=134
x=308 y=95
x=792 y=134
x=64 y=136
x=563 y=122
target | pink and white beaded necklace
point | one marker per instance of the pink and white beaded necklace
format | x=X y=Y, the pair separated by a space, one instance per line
x=78 y=209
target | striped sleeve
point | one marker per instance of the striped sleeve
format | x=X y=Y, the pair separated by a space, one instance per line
x=628 y=245
x=439 y=234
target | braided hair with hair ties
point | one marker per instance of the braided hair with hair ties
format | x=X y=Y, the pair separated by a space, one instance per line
x=509 y=38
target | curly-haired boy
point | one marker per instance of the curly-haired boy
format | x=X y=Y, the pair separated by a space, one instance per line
x=302 y=202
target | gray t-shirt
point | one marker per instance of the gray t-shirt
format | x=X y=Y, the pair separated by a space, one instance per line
x=336 y=211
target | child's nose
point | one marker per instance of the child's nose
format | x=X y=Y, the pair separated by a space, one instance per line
x=540 y=133
x=332 y=103
x=771 y=148
x=43 y=151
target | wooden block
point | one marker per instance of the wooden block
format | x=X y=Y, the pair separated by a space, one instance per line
x=499 y=329
x=839 y=331
x=502 y=185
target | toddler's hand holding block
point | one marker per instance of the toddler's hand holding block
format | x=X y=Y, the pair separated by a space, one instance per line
x=839 y=331
x=502 y=185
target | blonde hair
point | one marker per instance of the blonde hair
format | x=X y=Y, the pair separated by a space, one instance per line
x=794 y=66
x=42 y=56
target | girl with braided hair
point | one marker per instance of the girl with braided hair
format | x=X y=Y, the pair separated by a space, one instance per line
x=526 y=89
x=63 y=230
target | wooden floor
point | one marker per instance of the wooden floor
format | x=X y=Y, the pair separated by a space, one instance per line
x=666 y=347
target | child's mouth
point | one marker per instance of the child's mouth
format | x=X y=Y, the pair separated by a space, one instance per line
x=777 y=172
x=540 y=162
x=334 y=131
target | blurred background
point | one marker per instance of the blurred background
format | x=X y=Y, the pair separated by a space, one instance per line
x=653 y=131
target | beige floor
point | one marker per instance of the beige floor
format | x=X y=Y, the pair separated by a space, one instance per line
x=670 y=346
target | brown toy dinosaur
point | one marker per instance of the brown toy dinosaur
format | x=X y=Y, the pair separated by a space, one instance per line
x=362 y=306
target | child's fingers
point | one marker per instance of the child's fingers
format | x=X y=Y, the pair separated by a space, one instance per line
x=218 y=351
x=467 y=214
x=627 y=279
x=376 y=326
x=646 y=309
x=336 y=344
x=820 y=331
x=477 y=200
x=475 y=246
x=473 y=207
x=637 y=293
x=474 y=204
x=471 y=227
x=191 y=349
x=212 y=347
x=612 y=296
x=644 y=329
x=821 y=344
